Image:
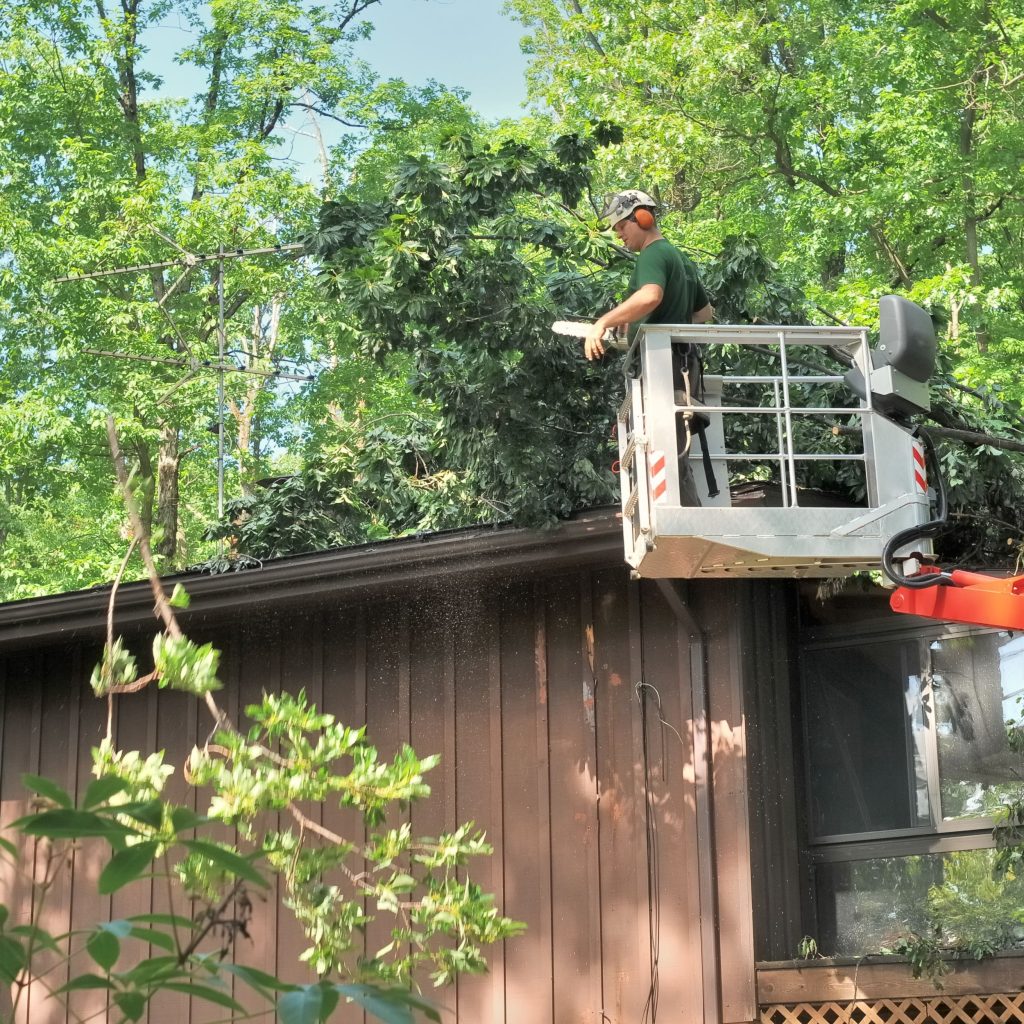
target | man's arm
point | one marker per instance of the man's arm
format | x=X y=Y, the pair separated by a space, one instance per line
x=643 y=301
x=702 y=316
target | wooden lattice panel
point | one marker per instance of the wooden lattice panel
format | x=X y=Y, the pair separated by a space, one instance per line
x=999 y=1009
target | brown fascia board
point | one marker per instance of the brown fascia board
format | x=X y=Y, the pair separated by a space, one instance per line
x=351 y=573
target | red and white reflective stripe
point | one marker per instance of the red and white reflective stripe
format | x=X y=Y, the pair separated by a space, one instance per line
x=659 y=481
x=920 y=478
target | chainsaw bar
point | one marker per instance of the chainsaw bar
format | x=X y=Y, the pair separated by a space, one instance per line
x=579 y=329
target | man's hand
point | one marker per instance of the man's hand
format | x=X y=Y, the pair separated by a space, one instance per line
x=643 y=301
x=593 y=345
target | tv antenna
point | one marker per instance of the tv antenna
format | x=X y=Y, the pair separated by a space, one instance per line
x=188 y=261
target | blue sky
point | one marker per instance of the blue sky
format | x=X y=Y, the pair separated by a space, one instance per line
x=468 y=43
x=465 y=43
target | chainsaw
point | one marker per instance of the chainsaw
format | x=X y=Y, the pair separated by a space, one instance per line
x=577 y=329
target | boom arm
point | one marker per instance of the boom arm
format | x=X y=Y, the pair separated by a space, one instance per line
x=968 y=597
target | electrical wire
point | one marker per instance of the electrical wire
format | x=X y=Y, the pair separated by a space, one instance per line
x=930 y=529
x=650 y=1010
x=188 y=260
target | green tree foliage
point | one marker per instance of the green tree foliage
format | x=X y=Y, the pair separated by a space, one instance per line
x=974 y=911
x=368 y=483
x=859 y=144
x=461 y=269
x=465 y=265
x=443 y=917
x=105 y=164
x=977 y=909
x=811 y=158
x=260 y=779
x=868 y=148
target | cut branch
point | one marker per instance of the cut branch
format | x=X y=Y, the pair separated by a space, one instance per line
x=141 y=536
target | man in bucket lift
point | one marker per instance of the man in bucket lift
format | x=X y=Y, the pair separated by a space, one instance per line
x=663 y=289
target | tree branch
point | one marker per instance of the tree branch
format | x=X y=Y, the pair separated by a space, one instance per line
x=992 y=208
x=932 y=15
x=212 y=917
x=270 y=123
x=357 y=8
x=162 y=605
x=326 y=113
x=212 y=99
x=971 y=437
x=591 y=37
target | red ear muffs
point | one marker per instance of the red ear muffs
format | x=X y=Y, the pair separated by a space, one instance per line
x=644 y=219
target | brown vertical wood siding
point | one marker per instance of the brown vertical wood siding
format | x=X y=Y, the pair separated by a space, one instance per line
x=563 y=708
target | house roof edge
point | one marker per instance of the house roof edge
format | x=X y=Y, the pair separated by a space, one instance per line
x=586 y=539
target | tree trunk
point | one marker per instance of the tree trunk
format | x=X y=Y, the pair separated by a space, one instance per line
x=169 y=458
x=147 y=485
x=968 y=126
x=167 y=491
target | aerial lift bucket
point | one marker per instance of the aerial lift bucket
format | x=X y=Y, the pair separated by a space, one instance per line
x=798 y=535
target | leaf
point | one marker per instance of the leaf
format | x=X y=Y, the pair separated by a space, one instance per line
x=131 y=1004
x=391 y=1005
x=174 y=920
x=155 y=938
x=149 y=813
x=86 y=981
x=308 y=1004
x=37 y=937
x=101 y=790
x=228 y=860
x=104 y=947
x=70 y=823
x=12 y=959
x=8 y=847
x=212 y=995
x=154 y=971
x=257 y=979
x=183 y=818
x=119 y=927
x=126 y=866
x=47 y=788
x=179 y=597
x=184 y=665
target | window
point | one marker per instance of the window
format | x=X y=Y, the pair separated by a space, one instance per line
x=907 y=759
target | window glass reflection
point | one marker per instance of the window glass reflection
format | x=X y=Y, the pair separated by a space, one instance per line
x=977 y=681
x=867 y=905
x=865 y=716
x=863 y=905
x=907 y=734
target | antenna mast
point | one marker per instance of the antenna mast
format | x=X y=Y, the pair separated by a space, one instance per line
x=189 y=261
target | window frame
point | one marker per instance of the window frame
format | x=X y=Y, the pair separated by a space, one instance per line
x=937 y=837
x=838 y=637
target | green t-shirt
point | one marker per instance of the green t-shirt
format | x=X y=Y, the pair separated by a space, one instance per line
x=663 y=264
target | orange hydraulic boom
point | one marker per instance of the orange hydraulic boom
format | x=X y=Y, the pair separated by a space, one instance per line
x=961 y=596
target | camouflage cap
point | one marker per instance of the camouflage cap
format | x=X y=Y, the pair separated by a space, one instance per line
x=620 y=205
